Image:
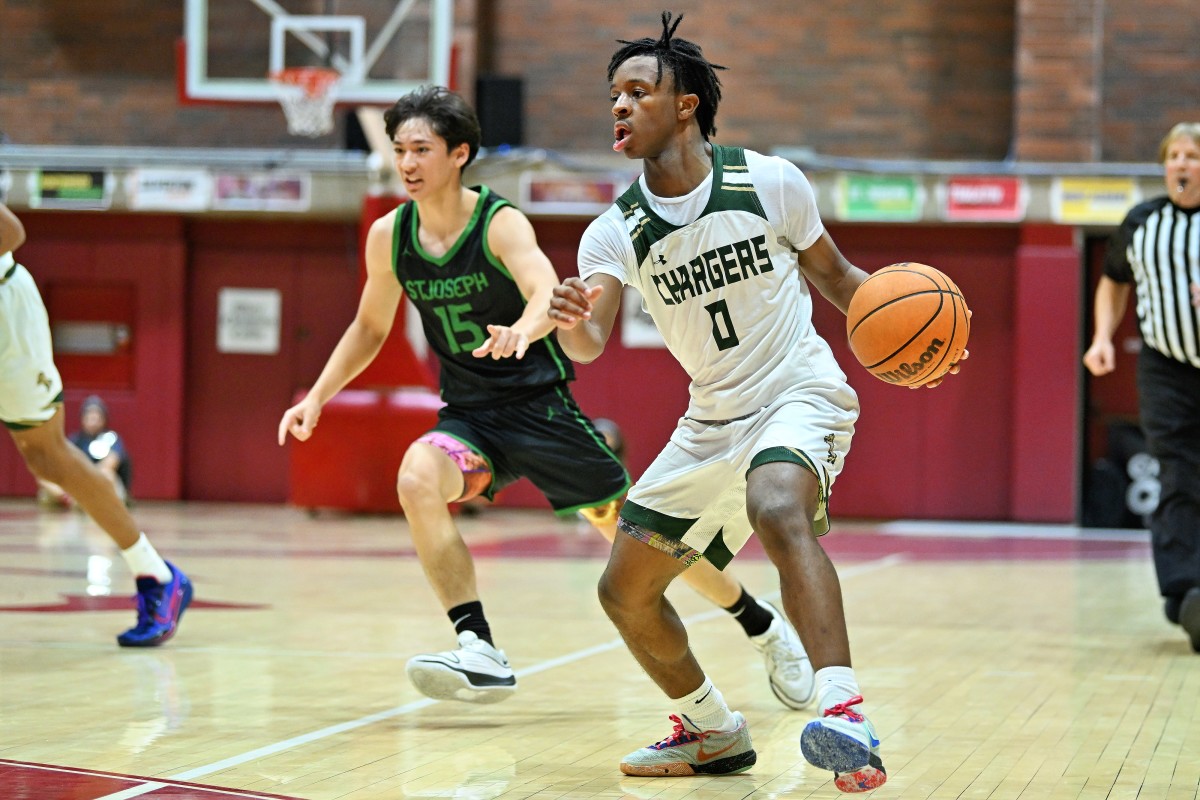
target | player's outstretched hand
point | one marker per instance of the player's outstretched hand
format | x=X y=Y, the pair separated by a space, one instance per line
x=572 y=302
x=300 y=420
x=502 y=342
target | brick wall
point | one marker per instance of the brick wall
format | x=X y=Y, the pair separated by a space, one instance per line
x=907 y=78
x=985 y=79
x=1058 y=80
x=1151 y=74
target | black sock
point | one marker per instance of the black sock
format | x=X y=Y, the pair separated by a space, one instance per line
x=750 y=614
x=469 y=617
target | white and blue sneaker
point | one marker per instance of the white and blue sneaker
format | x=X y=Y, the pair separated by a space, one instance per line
x=843 y=741
x=474 y=673
x=788 y=668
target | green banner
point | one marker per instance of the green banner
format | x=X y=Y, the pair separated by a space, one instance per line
x=879 y=198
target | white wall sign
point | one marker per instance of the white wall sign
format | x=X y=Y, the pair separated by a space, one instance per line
x=168 y=189
x=248 y=321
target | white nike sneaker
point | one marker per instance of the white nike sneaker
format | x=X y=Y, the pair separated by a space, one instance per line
x=788 y=668
x=474 y=673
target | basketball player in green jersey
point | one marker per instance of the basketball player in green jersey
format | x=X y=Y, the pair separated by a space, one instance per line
x=471 y=264
x=719 y=242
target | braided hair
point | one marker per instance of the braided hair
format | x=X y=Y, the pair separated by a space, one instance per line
x=693 y=73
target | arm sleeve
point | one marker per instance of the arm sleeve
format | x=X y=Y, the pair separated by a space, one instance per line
x=1116 y=259
x=605 y=248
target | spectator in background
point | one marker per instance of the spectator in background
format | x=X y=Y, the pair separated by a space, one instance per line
x=1156 y=253
x=103 y=446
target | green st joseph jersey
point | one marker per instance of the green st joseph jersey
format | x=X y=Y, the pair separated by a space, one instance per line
x=458 y=295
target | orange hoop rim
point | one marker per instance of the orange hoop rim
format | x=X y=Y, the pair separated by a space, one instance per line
x=315 y=81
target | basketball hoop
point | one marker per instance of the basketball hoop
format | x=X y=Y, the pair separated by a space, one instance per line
x=307 y=95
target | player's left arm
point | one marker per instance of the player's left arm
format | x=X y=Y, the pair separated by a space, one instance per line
x=827 y=269
x=511 y=239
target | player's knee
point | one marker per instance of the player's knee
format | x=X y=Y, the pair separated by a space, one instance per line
x=415 y=486
x=610 y=596
x=781 y=525
x=43 y=459
x=774 y=514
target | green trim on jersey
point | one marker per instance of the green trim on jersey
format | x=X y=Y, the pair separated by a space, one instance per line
x=717 y=553
x=583 y=422
x=487 y=250
x=29 y=425
x=731 y=191
x=441 y=260
x=656 y=521
x=566 y=512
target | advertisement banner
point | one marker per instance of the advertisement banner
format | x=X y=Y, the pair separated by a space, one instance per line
x=262 y=191
x=568 y=194
x=879 y=198
x=983 y=199
x=1100 y=201
x=70 y=188
x=168 y=189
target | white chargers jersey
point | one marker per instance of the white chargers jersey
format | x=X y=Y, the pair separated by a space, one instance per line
x=724 y=286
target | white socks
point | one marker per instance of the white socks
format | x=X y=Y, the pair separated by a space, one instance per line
x=706 y=708
x=145 y=562
x=835 y=685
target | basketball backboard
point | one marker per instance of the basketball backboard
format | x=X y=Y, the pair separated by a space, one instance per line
x=382 y=48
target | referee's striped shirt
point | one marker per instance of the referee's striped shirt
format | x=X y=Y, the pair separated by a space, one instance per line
x=1157 y=247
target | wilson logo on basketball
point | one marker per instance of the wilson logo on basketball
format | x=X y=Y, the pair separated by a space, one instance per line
x=905 y=372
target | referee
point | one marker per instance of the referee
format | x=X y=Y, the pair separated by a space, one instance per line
x=1157 y=252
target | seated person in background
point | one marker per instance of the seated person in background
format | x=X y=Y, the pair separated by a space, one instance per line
x=100 y=444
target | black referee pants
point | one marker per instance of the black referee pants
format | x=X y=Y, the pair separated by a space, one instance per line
x=1169 y=399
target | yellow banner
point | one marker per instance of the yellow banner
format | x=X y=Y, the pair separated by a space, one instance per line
x=1077 y=201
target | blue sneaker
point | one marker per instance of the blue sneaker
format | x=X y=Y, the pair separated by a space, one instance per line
x=843 y=741
x=159 y=607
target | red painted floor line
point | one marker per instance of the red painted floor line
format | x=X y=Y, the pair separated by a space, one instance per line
x=21 y=780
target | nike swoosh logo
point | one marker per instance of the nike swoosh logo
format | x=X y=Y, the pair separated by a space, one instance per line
x=702 y=756
x=460 y=619
x=702 y=699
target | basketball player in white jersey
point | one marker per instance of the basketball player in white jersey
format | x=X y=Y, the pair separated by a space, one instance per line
x=719 y=242
x=31 y=407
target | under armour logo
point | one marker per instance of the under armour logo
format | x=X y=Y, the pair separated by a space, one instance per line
x=661 y=259
x=44 y=382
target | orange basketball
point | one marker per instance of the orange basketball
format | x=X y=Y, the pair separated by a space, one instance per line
x=907 y=324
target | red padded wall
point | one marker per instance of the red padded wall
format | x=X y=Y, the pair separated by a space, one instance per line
x=84 y=263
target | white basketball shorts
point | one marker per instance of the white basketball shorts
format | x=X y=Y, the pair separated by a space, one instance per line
x=30 y=386
x=694 y=493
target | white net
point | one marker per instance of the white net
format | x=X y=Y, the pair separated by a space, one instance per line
x=307 y=95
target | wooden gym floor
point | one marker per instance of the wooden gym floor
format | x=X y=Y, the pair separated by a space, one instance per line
x=998 y=662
